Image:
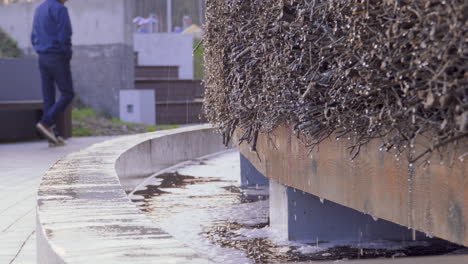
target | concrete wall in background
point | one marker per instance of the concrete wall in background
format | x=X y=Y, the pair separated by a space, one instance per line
x=166 y=49
x=103 y=62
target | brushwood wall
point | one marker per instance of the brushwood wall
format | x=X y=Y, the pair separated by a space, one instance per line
x=363 y=103
x=103 y=61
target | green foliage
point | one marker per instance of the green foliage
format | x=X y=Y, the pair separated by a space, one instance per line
x=8 y=47
x=198 y=60
x=88 y=122
x=117 y=121
x=83 y=114
x=161 y=127
x=82 y=132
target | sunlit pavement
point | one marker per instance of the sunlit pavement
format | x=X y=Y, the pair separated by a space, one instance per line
x=21 y=168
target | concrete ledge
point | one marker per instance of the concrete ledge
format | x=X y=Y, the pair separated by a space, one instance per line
x=432 y=200
x=84 y=214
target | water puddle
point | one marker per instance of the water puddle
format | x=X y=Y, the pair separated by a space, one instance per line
x=202 y=205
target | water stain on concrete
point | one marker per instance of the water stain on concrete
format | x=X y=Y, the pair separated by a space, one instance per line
x=150 y=191
x=456 y=220
x=171 y=180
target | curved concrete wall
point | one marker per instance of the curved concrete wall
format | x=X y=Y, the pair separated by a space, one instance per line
x=84 y=214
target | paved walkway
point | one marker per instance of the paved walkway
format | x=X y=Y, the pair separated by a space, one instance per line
x=21 y=168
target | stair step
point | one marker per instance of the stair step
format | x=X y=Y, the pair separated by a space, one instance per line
x=179 y=102
x=155 y=79
x=164 y=80
x=174 y=90
x=157 y=72
x=179 y=113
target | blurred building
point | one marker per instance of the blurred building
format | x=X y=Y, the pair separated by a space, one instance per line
x=171 y=13
x=108 y=47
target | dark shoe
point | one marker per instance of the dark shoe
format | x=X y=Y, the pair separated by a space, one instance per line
x=61 y=143
x=47 y=132
x=60 y=140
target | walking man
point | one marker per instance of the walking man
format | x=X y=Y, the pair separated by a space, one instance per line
x=51 y=38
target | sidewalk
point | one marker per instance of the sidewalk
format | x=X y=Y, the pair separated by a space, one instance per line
x=21 y=168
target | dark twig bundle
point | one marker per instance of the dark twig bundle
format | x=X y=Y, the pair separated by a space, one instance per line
x=362 y=69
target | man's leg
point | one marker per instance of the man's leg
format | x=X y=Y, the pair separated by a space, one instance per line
x=48 y=95
x=62 y=76
x=48 y=89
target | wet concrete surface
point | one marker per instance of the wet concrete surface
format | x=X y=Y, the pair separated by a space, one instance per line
x=77 y=224
x=21 y=168
x=202 y=205
x=263 y=250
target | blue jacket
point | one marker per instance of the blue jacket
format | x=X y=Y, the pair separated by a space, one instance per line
x=52 y=29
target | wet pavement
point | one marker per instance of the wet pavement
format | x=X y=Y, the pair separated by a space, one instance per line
x=202 y=205
x=84 y=214
x=21 y=168
x=213 y=206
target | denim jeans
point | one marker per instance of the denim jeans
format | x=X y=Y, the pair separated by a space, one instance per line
x=55 y=71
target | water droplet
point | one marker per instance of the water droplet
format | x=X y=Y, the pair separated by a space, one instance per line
x=375 y=218
x=322 y=200
x=295 y=217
